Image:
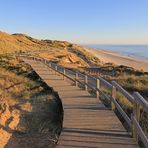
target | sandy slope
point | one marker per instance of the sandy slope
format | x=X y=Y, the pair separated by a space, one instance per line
x=107 y=56
x=64 y=52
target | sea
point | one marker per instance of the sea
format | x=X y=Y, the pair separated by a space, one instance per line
x=133 y=51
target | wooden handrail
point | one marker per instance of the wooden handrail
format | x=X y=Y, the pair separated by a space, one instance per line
x=136 y=99
x=123 y=91
x=139 y=99
x=106 y=83
x=76 y=80
x=137 y=130
x=140 y=132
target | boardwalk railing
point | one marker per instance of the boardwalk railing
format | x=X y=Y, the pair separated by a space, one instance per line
x=97 y=86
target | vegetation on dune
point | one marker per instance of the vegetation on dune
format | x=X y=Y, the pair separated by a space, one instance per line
x=84 y=54
x=69 y=55
x=74 y=57
x=28 y=105
x=61 y=52
x=133 y=83
x=131 y=80
x=127 y=77
x=64 y=58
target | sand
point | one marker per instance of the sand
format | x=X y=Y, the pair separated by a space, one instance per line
x=113 y=57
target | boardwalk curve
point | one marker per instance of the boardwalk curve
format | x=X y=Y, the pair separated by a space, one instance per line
x=87 y=122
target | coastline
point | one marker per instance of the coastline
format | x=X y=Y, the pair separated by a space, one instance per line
x=107 y=56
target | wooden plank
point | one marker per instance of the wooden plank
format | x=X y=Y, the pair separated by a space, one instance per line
x=95 y=143
x=97 y=138
x=87 y=122
x=98 y=87
x=113 y=98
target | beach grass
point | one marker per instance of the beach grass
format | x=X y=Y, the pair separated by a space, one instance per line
x=39 y=108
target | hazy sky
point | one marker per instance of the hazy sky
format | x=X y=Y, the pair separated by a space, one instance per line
x=79 y=21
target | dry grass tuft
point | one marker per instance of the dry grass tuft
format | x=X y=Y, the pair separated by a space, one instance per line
x=28 y=109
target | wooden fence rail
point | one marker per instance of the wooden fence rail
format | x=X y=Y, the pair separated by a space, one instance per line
x=85 y=80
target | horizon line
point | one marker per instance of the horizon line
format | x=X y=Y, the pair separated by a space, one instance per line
x=73 y=42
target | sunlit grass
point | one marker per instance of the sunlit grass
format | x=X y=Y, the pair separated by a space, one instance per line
x=20 y=85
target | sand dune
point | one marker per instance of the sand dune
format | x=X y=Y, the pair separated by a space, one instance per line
x=82 y=56
x=113 y=57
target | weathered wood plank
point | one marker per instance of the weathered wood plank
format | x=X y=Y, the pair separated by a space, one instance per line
x=87 y=122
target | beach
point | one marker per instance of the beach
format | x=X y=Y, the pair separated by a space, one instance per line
x=112 y=57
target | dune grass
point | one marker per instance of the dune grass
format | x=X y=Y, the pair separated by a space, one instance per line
x=40 y=107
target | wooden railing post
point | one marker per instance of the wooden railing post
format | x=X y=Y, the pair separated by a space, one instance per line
x=49 y=64
x=98 y=87
x=64 y=72
x=76 y=78
x=86 y=82
x=56 y=68
x=136 y=115
x=113 y=97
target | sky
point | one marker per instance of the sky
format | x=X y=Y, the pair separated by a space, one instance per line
x=78 y=21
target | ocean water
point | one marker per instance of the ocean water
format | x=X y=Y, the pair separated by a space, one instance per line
x=134 y=51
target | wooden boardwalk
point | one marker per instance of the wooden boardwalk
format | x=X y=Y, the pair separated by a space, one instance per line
x=87 y=122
